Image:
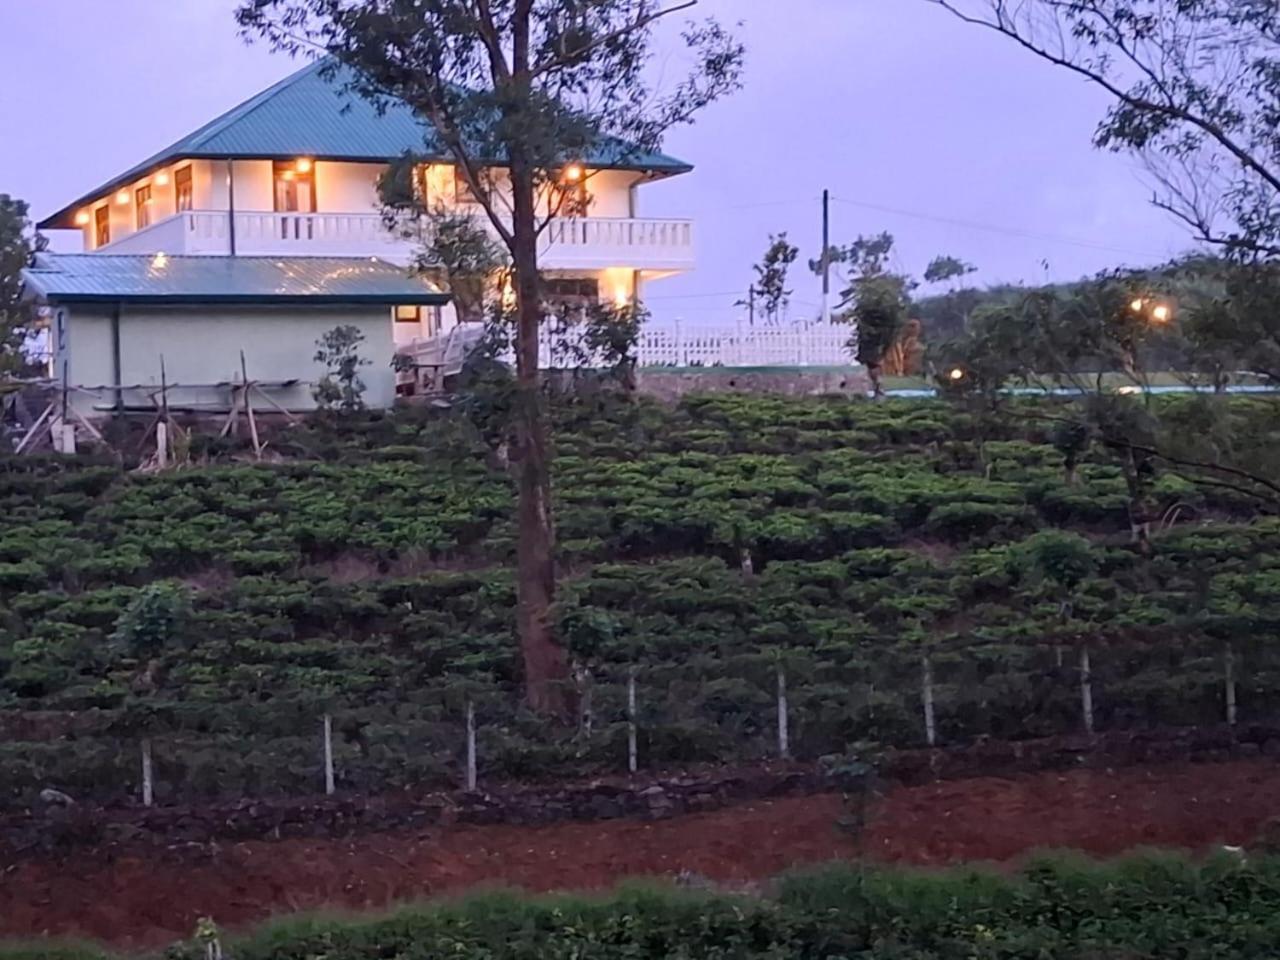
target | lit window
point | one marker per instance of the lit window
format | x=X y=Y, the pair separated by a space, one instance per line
x=142 y=206
x=572 y=290
x=102 y=226
x=408 y=314
x=184 y=194
x=295 y=189
x=462 y=189
x=573 y=199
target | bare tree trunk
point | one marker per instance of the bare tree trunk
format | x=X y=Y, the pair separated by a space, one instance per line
x=546 y=663
x=876 y=372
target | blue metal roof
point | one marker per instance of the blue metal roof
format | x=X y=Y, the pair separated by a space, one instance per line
x=308 y=114
x=161 y=279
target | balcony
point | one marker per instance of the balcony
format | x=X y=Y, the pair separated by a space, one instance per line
x=589 y=243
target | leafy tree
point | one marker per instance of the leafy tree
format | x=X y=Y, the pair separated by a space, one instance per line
x=341 y=388
x=875 y=302
x=771 y=275
x=155 y=620
x=17 y=245
x=944 y=268
x=536 y=85
x=1195 y=87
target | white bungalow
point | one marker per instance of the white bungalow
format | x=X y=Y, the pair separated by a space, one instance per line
x=262 y=229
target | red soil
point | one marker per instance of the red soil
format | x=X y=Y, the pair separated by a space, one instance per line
x=140 y=899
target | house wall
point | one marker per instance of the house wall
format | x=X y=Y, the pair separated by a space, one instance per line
x=341 y=187
x=201 y=345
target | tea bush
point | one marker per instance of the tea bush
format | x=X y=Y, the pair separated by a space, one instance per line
x=370 y=578
x=1151 y=905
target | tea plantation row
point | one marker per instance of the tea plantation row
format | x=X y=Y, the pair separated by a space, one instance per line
x=875 y=538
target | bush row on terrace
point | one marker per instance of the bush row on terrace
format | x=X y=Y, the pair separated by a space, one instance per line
x=372 y=582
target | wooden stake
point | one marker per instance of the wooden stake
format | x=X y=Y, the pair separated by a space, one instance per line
x=632 y=758
x=784 y=734
x=37 y=429
x=1086 y=690
x=147 y=791
x=329 y=786
x=248 y=408
x=1231 y=685
x=471 y=747
x=930 y=721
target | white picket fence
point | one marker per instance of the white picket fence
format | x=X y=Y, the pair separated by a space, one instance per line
x=703 y=345
x=673 y=345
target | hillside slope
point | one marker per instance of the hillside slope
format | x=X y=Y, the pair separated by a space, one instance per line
x=370 y=579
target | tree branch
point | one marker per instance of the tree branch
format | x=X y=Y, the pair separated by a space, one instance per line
x=642 y=20
x=1097 y=77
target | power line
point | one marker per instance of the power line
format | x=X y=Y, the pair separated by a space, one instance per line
x=994 y=228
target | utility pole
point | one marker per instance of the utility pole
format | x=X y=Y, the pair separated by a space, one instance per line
x=751 y=305
x=826 y=256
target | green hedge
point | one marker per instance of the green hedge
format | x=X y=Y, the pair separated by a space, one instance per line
x=1145 y=906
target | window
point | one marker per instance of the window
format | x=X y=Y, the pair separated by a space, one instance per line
x=102 y=226
x=462 y=189
x=573 y=199
x=184 y=194
x=142 y=206
x=573 y=290
x=295 y=186
x=427 y=319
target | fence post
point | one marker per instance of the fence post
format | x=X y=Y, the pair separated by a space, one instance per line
x=471 y=747
x=329 y=786
x=784 y=734
x=1231 y=685
x=1086 y=690
x=148 y=794
x=930 y=721
x=631 y=721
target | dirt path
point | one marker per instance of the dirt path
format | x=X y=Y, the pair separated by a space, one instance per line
x=137 y=900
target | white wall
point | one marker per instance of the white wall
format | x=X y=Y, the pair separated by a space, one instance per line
x=340 y=188
x=201 y=345
x=347 y=187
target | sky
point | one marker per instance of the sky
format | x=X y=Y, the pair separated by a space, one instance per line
x=945 y=135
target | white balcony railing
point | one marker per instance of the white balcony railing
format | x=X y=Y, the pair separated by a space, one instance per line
x=588 y=243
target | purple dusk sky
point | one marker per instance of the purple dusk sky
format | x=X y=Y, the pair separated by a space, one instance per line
x=917 y=123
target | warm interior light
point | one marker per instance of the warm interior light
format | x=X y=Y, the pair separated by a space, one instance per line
x=82 y=218
x=957 y=374
x=573 y=172
x=287 y=175
x=304 y=166
x=122 y=197
x=1137 y=306
x=621 y=297
x=1161 y=313
x=162 y=179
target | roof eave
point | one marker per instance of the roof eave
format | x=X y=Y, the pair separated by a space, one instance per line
x=310 y=300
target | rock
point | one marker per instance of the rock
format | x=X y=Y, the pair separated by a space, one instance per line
x=55 y=798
